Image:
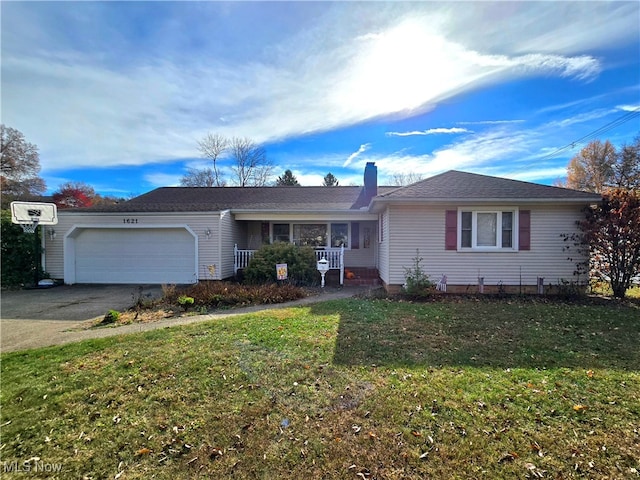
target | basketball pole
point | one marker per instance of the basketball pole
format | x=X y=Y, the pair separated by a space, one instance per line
x=36 y=250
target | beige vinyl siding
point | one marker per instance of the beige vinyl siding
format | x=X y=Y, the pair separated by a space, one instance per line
x=208 y=252
x=384 y=250
x=53 y=259
x=232 y=232
x=422 y=227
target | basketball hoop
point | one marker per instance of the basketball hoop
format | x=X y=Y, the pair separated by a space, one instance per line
x=30 y=227
x=31 y=214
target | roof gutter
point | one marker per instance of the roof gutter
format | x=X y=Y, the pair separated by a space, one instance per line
x=350 y=215
x=377 y=202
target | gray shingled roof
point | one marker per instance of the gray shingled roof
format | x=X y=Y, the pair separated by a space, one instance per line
x=207 y=199
x=448 y=186
x=455 y=185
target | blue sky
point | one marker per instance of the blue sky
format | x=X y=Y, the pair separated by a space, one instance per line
x=117 y=94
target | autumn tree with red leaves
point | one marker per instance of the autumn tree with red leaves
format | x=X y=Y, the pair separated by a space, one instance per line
x=74 y=195
x=610 y=233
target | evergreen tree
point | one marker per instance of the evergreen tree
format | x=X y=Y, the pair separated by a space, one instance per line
x=287 y=179
x=330 y=180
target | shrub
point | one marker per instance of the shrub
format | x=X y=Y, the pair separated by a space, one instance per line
x=417 y=283
x=216 y=294
x=301 y=264
x=185 y=301
x=112 y=316
x=570 y=290
x=18 y=254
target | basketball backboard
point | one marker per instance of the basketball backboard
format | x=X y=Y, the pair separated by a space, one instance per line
x=26 y=213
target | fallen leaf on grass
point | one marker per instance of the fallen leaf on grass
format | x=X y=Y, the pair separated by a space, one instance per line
x=537 y=473
x=364 y=473
x=508 y=457
x=535 y=446
x=215 y=453
x=143 y=451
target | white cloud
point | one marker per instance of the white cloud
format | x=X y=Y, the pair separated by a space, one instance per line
x=479 y=153
x=163 y=179
x=309 y=179
x=349 y=64
x=582 y=117
x=431 y=131
x=490 y=122
x=629 y=108
x=534 y=174
x=363 y=148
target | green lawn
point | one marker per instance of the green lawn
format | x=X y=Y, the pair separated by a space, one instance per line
x=353 y=388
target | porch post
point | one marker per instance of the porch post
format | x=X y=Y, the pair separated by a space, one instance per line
x=342 y=264
x=235 y=259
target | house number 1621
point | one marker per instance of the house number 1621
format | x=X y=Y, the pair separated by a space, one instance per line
x=129 y=220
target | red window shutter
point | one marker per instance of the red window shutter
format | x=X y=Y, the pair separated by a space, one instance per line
x=524 y=230
x=451 y=230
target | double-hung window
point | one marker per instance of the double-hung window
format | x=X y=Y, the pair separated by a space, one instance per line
x=487 y=229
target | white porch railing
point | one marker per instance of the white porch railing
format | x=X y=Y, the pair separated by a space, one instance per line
x=335 y=257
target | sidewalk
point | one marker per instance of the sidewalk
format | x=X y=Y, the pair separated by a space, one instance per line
x=25 y=334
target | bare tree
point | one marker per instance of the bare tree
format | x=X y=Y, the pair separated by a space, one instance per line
x=205 y=177
x=212 y=147
x=402 y=179
x=251 y=167
x=19 y=166
x=626 y=172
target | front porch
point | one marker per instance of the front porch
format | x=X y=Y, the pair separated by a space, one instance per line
x=335 y=256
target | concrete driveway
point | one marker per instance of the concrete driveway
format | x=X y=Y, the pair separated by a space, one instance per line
x=72 y=302
x=39 y=317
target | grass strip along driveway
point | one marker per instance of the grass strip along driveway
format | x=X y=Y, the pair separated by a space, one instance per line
x=350 y=388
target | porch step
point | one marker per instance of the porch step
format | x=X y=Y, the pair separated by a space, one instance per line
x=362 y=282
x=361 y=276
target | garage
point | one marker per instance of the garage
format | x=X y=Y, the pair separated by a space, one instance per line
x=131 y=255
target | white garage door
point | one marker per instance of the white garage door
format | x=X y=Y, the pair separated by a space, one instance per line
x=143 y=255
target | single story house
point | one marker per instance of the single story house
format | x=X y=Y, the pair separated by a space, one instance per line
x=470 y=229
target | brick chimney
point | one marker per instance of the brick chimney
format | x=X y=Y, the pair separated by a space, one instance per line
x=370 y=181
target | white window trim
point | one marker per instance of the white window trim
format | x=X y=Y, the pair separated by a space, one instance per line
x=474 y=229
x=328 y=224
